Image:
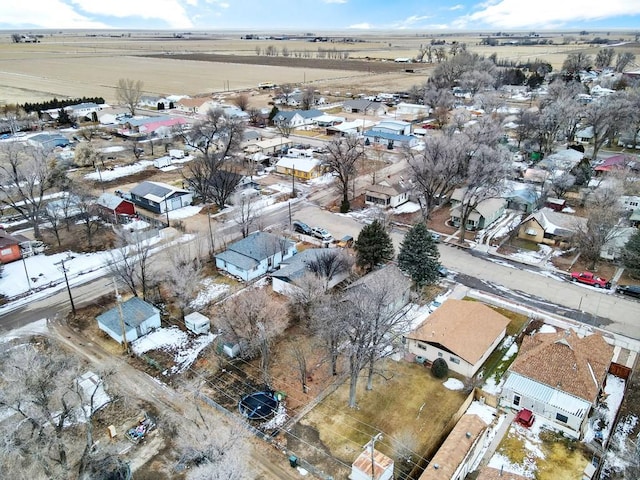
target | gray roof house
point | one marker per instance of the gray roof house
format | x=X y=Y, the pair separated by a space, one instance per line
x=484 y=214
x=291 y=271
x=160 y=197
x=255 y=255
x=297 y=118
x=138 y=316
x=364 y=106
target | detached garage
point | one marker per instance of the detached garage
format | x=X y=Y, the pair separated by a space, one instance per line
x=160 y=197
x=138 y=319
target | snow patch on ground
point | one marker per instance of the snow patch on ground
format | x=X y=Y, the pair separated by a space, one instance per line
x=484 y=411
x=547 y=329
x=409 y=207
x=603 y=416
x=184 y=212
x=184 y=347
x=118 y=172
x=453 y=384
x=210 y=291
x=33 y=328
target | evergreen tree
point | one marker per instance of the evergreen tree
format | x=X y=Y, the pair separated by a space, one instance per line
x=418 y=256
x=373 y=246
x=631 y=255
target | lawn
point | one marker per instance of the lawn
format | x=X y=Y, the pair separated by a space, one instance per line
x=540 y=453
x=407 y=404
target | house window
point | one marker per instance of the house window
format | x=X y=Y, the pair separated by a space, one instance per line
x=530 y=231
x=440 y=354
x=422 y=346
x=454 y=360
x=516 y=400
x=562 y=418
x=5 y=251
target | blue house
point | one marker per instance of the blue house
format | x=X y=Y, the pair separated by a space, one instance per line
x=255 y=255
x=390 y=139
x=138 y=319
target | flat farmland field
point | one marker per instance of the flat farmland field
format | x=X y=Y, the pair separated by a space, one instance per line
x=77 y=64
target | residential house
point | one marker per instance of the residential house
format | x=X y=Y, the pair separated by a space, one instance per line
x=115 y=208
x=562 y=161
x=268 y=146
x=389 y=274
x=372 y=465
x=366 y=107
x=155 y=102
x=614 y=246
x=396 y=127
x=67 y=207
x=630 y=202
x=550 y=227
x=296 y=118
x=462 y=333
x=10 y=250
x=412 y=110
x=160 y=197
x=390 y=140
x=86 y=110
x=618 y=162
x=634 y=219
x=304 y=168
x=135 y=317
x=48 y=141
x=160 y=126
x=387 y=193
x=285 y=279
x=484 y=214
x=585 y=135
x=349 y=128
x=460 y=452
x=536 y=175
x=198 y=105
x=324 y=120
x=255 y=255
x=555 y=204
x=522 y=200
x=558 y=376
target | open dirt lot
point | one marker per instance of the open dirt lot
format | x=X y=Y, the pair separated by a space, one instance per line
x=90 y=64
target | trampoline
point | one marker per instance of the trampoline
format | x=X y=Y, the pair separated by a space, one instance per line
x=258 y=405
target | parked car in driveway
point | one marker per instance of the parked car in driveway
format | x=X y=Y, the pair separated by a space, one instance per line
x=631 y=290
x=589 y=278
x=301 y=227
x=322 y=234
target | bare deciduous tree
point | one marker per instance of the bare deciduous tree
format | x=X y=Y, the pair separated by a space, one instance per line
x=623 y=59
x=342 y=161
x=128 y=93
x=246 y=212
x=241 y=101
x=27 y=175
x=130 y=261
x=186 y=264
x=604 y=57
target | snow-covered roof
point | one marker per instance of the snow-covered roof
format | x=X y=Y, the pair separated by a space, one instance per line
x=301 y=164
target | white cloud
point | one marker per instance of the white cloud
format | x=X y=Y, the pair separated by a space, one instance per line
x=170 y=11
x=459 y=6
x=361 y=26
x=335 y=1
x=411 y=21
x=48 y=14
x=544 y=13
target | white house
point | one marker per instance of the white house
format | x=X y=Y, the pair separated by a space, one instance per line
x=138 y=318
x=286 y=279
x=463 y=333
x=255 y=255
x=614 y=246
x=397 y=127
x=412 y=110
x=388 y=193
x=558 y=376
x=160 y=197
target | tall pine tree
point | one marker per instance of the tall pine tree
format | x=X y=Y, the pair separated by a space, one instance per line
x=418 y=256
x=373 y=246
x=631 y=255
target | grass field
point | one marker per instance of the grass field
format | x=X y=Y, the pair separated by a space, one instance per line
x=90 y=64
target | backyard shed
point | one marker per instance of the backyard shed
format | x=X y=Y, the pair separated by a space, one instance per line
x=197 y=322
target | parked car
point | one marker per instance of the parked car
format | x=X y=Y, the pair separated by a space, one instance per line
x=435 y=236
x=590 y=279
x=301 y=227
x=443 y=271
x=322 y=234
x=631 y=290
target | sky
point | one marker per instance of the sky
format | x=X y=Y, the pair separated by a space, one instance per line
x=318 y=15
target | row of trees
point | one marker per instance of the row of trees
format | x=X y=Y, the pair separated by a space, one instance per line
x=321 y=52
x=578 y=61
x=57 y=104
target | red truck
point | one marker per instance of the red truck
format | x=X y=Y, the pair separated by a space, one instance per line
x=590 y=279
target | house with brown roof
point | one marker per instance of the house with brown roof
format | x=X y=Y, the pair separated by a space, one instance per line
x=387 y=193
x=463 y=333
x=550 y=227
x=378 y=464
x=459 y=452
x=558 y=376
x=490 y=473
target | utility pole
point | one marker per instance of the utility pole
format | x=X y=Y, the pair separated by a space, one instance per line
x=374 y=439
x=293 y=181
x=166 y=210
x=122 y=327
x=66 y=280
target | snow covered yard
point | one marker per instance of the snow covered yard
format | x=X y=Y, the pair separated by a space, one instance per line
x=540 y=452
x=181 y=347
x=604 y=415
